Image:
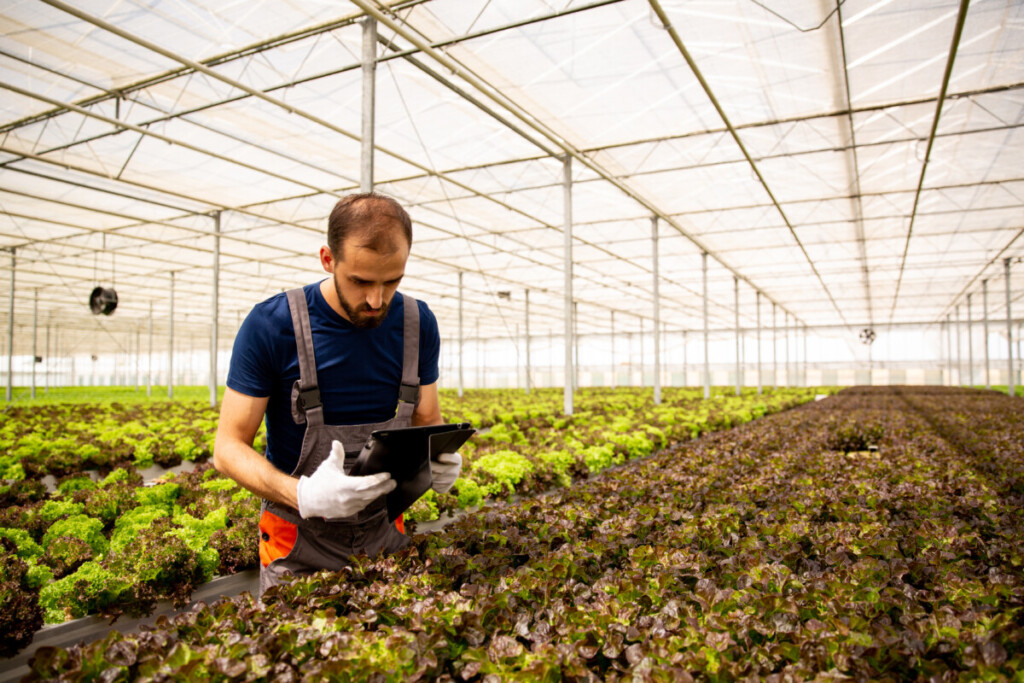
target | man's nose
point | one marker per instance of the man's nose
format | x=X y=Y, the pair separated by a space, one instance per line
x=375 y=297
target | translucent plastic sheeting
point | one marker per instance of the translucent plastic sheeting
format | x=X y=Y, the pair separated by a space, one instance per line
x=126 y=126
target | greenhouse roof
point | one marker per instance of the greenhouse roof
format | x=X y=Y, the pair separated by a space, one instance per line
x=857 y=164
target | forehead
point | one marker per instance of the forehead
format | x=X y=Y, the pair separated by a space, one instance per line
x=369 y=264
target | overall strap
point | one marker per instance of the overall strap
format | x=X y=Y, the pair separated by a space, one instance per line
x=409 y=393
x=306 y=406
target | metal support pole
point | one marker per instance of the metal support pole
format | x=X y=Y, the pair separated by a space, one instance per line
x=970 y=345
x=461 y=338
x=736 y=302
x=518 y=368
x=35 y=338
x=10 y=335
x=576 y=346
x=526 y=321
x=170 y=343
x=615 y=369
x=1010 y=389
x=775 y=355
x=567 y=232
x=46 y=387
x=643 y=360
x=758 y=342
x=214 y=312
x=960 y=361
x=138 y=356
x=149 y=368
x=657 y=312
x=686 y=370
x=984 y=304
x=789 y=376
x=707 y=364
x=369 y=97
x=479 y=357
x=806 y=383
x=949 y=351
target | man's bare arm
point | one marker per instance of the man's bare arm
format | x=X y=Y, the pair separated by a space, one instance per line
x=234 y=456
x=428 y=410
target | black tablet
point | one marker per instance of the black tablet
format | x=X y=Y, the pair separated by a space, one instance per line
x=406 y=453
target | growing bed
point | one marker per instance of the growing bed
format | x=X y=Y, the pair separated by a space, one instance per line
x=871 y=535
x=103 y=542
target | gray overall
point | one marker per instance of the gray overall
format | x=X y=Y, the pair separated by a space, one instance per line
x=290 y=544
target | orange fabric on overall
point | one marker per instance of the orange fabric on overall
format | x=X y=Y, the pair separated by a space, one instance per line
x=277 y=537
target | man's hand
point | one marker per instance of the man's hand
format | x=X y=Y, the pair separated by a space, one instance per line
x=331 y=493
x=445 y=470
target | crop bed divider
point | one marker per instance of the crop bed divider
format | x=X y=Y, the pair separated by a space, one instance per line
x=93 y=627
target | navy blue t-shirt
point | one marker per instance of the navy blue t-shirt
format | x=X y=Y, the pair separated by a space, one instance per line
x=359 y=371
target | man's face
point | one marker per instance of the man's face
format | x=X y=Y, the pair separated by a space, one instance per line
x=365 y=280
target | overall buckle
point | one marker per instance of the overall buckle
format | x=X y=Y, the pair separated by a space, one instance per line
x=409 y=393
x=309 y=398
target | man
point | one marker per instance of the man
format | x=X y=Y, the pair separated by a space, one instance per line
x=327 y=364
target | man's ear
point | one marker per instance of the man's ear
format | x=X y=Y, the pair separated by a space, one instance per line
x=327 y=259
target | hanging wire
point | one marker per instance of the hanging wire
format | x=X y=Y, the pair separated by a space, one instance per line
x=801 y=29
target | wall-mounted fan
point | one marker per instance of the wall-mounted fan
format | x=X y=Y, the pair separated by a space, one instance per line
x=103 y=301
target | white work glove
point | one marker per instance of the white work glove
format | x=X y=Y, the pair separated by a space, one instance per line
x=330 y=493
x=445 y=470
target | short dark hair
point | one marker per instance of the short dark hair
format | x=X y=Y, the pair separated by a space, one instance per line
x=373 y=217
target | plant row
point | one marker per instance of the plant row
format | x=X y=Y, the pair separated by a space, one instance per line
x=873 y=536
x=116 y=546
x=528 y=445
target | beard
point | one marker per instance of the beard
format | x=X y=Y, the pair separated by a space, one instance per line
x=359 y=315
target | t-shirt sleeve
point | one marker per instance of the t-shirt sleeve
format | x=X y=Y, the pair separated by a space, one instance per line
x=430 y=345
x=252 y=369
